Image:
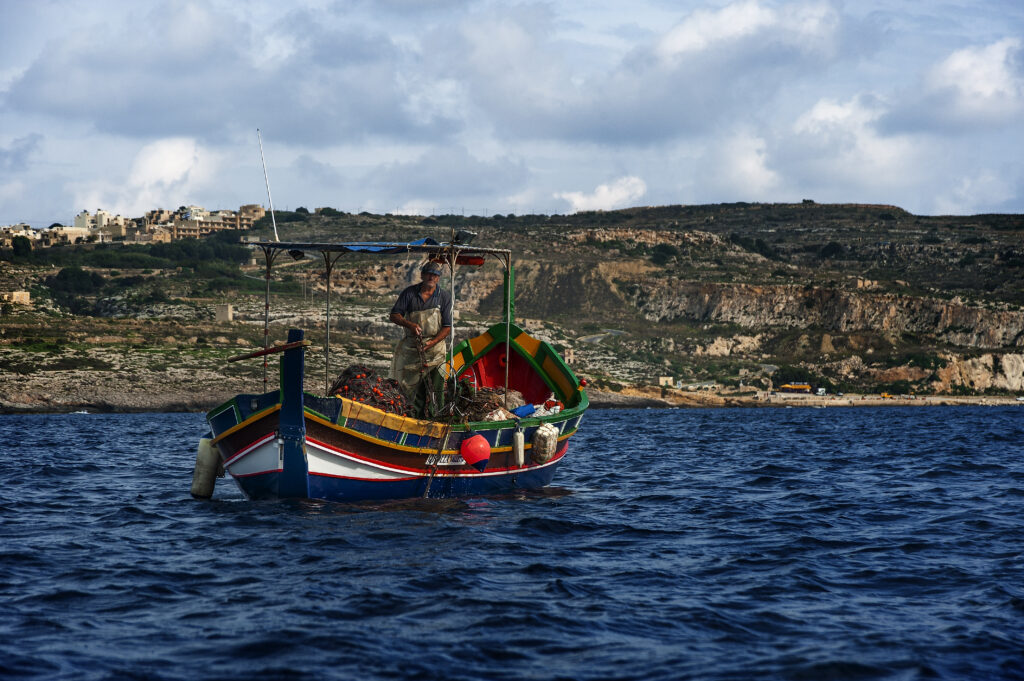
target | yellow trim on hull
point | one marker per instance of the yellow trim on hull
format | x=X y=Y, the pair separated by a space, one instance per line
x=528 y=343
x=478 y=343
x=252 y=419
x=379 y=417
x=426 y=451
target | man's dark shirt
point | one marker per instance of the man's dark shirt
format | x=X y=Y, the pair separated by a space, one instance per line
x=409 y=300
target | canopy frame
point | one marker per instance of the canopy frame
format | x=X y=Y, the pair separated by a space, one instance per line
x=332 y=252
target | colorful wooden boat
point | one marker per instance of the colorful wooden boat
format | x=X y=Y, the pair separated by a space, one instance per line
x=290 y=443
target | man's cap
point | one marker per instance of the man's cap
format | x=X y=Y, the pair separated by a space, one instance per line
x=432 y=268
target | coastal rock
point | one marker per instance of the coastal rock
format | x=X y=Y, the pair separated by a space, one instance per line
x=982 y=373
x=724 y=347
x=835 y=310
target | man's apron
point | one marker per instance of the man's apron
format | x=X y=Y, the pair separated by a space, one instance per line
x=407 y=366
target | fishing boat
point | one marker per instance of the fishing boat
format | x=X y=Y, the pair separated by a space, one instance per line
x=289 y=443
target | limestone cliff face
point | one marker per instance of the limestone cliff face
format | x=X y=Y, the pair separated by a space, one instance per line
x=1001 y=372
x=759 y=307
x=833 y=318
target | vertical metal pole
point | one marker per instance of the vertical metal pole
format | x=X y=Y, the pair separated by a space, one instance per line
x=509 y=283
x=328 y=265
x=266 y=177
x=269 y=254
x=451 y=309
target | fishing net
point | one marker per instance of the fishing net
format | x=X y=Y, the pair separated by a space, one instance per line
x=435 y=398
x=461 y=401
x=489 y=404
x=364 y=385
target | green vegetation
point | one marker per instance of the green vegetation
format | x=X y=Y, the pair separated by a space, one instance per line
x=818 y=261
x=221 y=247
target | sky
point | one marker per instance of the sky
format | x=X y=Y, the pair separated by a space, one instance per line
x=480 y=107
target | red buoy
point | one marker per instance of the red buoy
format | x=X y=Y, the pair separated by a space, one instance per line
x=476 y=451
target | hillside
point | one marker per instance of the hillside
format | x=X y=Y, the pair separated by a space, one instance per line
x=854 y=298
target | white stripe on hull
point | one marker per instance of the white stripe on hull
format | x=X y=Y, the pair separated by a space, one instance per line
x=265 y=457
x=261 y=457
x=324 y=461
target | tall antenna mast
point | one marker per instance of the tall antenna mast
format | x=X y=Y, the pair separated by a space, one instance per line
x=267 y=178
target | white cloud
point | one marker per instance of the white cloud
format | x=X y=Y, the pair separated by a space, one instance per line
x=618 y=194
x=166 y=173
x=808 y=26
x=983 y=82
x=838 y=142
x=980 y=72
x=706 y=27
x=974 y=89
x=737 y=169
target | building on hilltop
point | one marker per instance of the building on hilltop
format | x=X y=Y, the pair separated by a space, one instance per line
x=150 y=234
x=102 y=223
x=155 y=226
x=160 y=216
x=62 y=235
x=10 y=232
x=196 y=222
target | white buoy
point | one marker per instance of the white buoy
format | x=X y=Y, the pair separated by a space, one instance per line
x=207 y=469
x=518 y=448
x=545 y=442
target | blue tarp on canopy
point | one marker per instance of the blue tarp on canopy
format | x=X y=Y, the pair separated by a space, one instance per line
x=426 y=245
x=383 y=247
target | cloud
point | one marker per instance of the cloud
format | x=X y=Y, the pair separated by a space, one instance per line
x=971 y=194
x=443 y=175
x=738 y=169
x=990 y=73
x=201 y=71
x=838 y=144
x=317 y=172
x=712 y=67
x=490 y=107
x=705 y=28
x=164 y=174
x=15 y=157
x=618 y=194
x=972 y=88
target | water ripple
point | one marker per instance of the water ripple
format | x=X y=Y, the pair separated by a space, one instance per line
x=702 y=544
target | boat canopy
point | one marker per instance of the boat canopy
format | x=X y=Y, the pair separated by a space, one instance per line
x=425 y=245
x=451 y=252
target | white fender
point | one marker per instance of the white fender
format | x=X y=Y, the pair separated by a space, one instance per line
x=518 y=448
x=208 y=465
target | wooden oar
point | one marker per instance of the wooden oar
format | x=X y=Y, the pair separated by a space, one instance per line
x=271 y=351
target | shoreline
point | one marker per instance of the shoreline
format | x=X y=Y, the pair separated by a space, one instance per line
x=143 y=401
x=652 y=397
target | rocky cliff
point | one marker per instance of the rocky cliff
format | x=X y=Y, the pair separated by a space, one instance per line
x=850 y=297
x=836 y=311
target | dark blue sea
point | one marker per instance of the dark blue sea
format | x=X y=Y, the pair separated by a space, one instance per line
x=798 y=544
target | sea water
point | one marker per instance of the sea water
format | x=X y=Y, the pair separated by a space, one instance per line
x=674 y=544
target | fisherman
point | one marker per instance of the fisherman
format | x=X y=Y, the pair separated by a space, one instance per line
x=424 y=310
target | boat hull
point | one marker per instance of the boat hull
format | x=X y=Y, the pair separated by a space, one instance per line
x=349 y=457
x=339 y=477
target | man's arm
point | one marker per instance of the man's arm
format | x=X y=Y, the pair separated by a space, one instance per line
x=441 y=335
x=397 y=318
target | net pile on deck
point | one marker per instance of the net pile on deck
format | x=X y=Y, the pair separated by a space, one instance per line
x=362 y=384
x=488 y=404
x=436 y=399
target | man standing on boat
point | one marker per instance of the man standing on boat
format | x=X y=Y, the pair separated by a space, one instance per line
x=424 y=310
